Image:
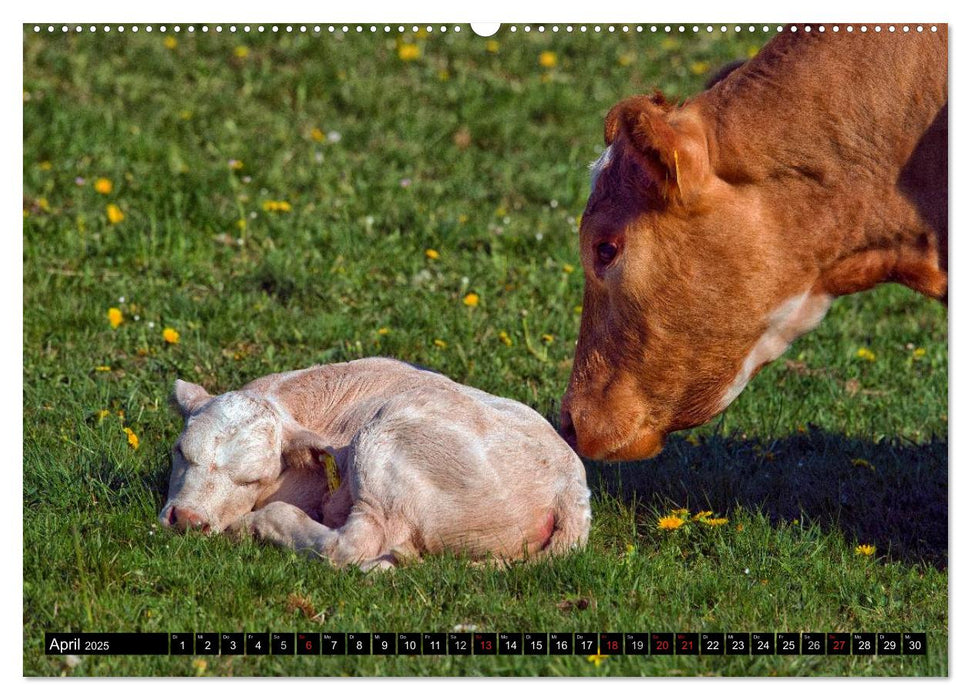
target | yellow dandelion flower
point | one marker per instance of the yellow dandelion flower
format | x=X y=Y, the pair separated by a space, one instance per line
x=102 y=368
x=132 y=438
x=547 y=59
x=866 y=550
x=185 y=114
x=440 y=343
x=115 y=214
x=241 y=51
x=170 y=42
x=235 y=164
x=578 y=309
x=383 y=331
x=702 y=515
x=463 y=218
x=919 y=353
x=317 y=135
x=271 y=205
x=717 y=522
x=241 y=224
x=625 y=59
x=739 y=527
x=597 y=659
x=670 y=522
x=103 y=413
x=699 y=67
x=103 y=185
x=409 y=52
x=568 y=268
x=669 y=42
x=492 y=46
x=471 y=299
x=170 y=336
x=443 y=75
x=547 y=338
x=200 y=666
x=431 y=254
x=115 y=317
x=504 y=338
x=752 y=50
x=866 y=354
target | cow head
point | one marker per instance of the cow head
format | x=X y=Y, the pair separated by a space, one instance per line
x=689 y=287
x=230 y=457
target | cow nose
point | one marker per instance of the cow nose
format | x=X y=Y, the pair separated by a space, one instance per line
x=567 y=429
x=182 y=518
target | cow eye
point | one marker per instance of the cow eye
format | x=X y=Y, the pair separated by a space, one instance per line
x=606 y=252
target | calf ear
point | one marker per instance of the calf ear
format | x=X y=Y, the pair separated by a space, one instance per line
x=674 y=154
x=303 y=449
x=187 y=396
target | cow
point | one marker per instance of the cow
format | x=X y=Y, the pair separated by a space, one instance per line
x=374 y=462
x=719 y=230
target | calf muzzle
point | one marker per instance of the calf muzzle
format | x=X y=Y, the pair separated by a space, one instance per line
x=182 y=518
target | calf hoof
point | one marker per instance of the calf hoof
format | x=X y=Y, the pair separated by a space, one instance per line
x=382 y=563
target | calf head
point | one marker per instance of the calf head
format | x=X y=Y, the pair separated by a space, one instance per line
x=230 y=456
x=684 y=296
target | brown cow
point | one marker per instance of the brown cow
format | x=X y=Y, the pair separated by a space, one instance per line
x=720 y=230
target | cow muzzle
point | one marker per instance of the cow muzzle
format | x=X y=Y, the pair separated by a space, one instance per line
x=606 y=439
x=181 y=518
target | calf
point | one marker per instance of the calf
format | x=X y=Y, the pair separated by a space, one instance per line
x=720 y=230
x=374 y=461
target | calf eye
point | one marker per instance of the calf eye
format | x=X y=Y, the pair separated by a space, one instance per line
x=606 y=252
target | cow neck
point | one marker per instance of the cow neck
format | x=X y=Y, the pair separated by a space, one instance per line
x=844 y=141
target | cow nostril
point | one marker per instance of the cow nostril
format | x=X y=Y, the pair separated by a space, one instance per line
x=184 y=518
x=568 y=430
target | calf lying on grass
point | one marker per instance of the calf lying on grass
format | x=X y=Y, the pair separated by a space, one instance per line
x=375 y=461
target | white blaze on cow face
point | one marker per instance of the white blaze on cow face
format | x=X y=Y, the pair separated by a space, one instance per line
x=598 y=165
x=791 y=319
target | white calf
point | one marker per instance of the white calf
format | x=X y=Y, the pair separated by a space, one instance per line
x=372 y=462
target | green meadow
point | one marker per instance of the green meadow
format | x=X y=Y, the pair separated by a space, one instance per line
x=216 y=206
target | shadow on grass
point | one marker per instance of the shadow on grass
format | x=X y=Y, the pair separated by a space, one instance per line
x=887 y=493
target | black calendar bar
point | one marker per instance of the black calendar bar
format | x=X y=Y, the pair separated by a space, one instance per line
x=487 y=643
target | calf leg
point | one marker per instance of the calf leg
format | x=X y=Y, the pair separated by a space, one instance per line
x=286 y=525
x=360 y=541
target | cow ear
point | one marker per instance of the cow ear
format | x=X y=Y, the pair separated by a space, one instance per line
x=673 y=153
x=188 y=397
x=303 y=449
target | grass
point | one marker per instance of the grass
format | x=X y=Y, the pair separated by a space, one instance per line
x=473 y=150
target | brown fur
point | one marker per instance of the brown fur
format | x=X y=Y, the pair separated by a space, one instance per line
x=819 y=167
